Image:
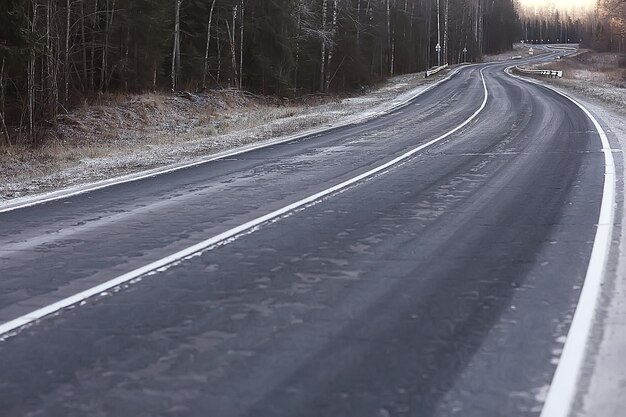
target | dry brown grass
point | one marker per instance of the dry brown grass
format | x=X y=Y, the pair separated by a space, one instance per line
x=601 y=76
x=592 y=67
x=121 y=133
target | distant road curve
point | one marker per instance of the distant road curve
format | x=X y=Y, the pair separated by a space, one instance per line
x=427 y=262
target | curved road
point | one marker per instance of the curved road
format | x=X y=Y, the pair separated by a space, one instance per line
x=441 y=285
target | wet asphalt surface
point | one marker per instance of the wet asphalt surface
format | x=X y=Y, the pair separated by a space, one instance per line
x=440 y=287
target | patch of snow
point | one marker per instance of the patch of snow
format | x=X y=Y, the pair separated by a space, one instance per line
x=155 y=130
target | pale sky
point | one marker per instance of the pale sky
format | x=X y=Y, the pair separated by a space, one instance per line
x=560 y=4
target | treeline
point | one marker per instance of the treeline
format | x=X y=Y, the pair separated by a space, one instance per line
x=552 y=26
x=608 y=27
x=55 y=53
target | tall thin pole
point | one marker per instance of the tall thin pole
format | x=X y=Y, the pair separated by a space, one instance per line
x=241 y=14
x=438 y=36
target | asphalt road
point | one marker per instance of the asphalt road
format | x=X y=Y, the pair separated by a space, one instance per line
x=440 y=286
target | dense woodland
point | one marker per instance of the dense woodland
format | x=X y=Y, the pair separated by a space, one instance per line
x=602 y=28
x=552 y=26
x=607 y=28
x=56 y=53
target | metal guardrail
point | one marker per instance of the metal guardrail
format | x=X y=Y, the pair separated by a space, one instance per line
x=545 y=73
x=569 y=48
x=435 y=70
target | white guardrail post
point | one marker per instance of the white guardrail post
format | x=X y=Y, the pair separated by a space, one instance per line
x=435 y=70
x=545 y=73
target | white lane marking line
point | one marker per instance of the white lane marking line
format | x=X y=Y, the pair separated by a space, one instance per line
x=563 y=388
x=59 y=195
x=16 y=324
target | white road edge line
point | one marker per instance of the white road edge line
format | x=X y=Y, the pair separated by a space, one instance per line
x=74 y=191
x=564 y=385
x=16 y=324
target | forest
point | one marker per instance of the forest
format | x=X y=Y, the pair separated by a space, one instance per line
x=602 y=28
x=552 y=26
x=54 y=54
x=607 y=27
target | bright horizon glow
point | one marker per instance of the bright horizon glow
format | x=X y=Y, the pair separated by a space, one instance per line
x=559 y=4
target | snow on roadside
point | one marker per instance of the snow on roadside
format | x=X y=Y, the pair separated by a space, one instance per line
x=599 y=76
x=143 y=132
x=518 y=50
x=604 y=378
x=601 y=390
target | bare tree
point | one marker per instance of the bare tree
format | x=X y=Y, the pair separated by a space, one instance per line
x=5 y=131
x=176 y=47
x=50 y=78
x=83 y=40
x=300 y=10
x=613 y=13
x=388 y=22
x=110 y=12
x=445 y=32
x=233 y=52
x=66 y=63
x=241 y=28
x=438 y=34
x=323 y=49
x=32 y=23
x=205 y=70
x=333 y=30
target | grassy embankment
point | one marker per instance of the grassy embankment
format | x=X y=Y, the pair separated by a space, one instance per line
x=599 y=76
x=121 y=134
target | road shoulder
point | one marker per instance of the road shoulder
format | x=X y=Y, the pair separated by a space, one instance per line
x=603 y=379
x=26 y=174
x=96 y=173
x=601 y=390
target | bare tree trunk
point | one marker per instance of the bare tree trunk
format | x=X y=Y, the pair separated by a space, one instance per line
x=50 y=71
x=94 y=26
x=481 y=40
x=233 y=52
x=49 y=79
x=31 y=75
x=66 y=66
x=428 y=31
x=219 y=50
x=445 y=33
x=297 y=61
x=83 y=40
x=178 y=64
x=104 y=71
x=154 y=76
x=5 y=131
x=438 y=34
x=105 y=50
x=369 y=16
x=176 y=47
x=390 y=38
x=205 y=70
x=126 y=63
x=241 y=45
x=56 y=61
x=358 y=25
x=330 y=48
x=323 y=49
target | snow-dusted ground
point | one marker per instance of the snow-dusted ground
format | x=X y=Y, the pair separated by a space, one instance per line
x=127 y=140
x=601 y=392
x=138 y=133
x=599 y=76
x=602 y=389
x=518 y=50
